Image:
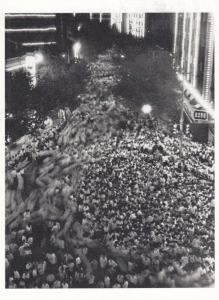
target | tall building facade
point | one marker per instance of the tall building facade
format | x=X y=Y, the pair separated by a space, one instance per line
x=65 y=30
x=106 y=18
x=135 y=24
x=193 y=52
x=101 y=17
x=116 y=21
x=160 y=29
x=26 y=32
x=95 y=16
x=129 y=23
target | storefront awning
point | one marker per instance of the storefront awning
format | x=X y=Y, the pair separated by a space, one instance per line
x=193 y=109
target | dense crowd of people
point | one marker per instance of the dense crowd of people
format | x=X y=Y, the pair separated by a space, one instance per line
x=105 y=200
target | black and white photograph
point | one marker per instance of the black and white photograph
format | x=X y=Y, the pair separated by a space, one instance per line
x=109 y=149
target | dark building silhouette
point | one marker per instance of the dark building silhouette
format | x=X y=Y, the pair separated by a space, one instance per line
x=66 y=28
x=160 y=29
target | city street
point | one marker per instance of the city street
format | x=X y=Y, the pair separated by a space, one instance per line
x=101 y=194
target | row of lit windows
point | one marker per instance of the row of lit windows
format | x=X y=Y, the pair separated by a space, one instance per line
x=137 y=15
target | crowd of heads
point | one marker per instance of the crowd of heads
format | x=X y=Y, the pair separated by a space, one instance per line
x=113 y=207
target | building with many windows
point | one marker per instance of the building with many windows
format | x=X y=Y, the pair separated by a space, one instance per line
x=193 y=52
x=26 y=35
x=27 y=32
x=116 y=21
x=101 y=17
x=134 y=24
x=129 y=23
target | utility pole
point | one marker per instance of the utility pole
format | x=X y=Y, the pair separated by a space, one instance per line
x=68 y=56
x=181 y=123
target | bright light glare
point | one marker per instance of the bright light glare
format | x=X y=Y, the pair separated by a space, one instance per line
x=196 y=54
x=30 y=15
x=175 y=33
x=10 y=116
x=197 y=96
x=146 y=109
x=9 y=69
x=76 y=49
x=63 y=55
x=38 y=58
x=30 y=62
x=38 y=44
x=30 y=29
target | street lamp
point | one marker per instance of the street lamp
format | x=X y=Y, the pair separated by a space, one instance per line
x=31 y=61
x=38 y=57
x=146 y=109
x=76 y=49
x=30 y=64
x=181 y=122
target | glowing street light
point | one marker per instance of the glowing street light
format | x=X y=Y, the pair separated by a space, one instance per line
x=30 y=15
x=146 y=109
x=76 y=49
x=37 y=44
x=38 y=58
x=30 y=64
x=30 y=29
x=13 y=68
